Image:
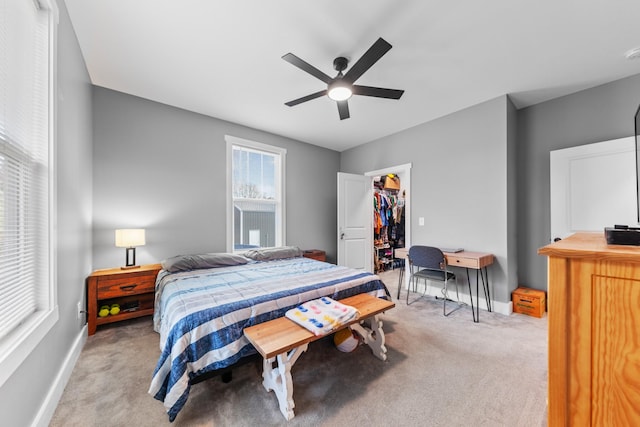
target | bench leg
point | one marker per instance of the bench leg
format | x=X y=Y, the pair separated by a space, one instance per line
x=373 y=336
x=278 y=378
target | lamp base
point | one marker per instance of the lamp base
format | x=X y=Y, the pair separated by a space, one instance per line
x=130 y=259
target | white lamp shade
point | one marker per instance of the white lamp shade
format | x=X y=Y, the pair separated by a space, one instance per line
x=130 y=237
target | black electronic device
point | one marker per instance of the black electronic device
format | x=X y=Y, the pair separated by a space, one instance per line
x=622 y=235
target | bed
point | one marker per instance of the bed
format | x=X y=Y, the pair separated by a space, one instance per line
x=203 y=303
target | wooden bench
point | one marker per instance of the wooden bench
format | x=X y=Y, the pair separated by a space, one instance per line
x=281 y=342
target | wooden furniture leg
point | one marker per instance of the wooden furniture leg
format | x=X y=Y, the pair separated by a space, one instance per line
x=373 y=336
x=281 y=342
x=276 y=374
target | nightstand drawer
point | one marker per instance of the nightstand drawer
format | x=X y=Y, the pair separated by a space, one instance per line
x=109 y=287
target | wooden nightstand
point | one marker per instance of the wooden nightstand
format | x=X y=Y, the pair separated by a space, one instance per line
x=316 y=254
x=132 y=289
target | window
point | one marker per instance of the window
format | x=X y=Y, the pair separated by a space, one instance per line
x=27 y=287
x=255 y=214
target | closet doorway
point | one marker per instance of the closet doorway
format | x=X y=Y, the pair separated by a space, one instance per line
x=391 y=215
x=355 y=215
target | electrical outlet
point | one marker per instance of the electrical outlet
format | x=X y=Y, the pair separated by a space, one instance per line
x=421 y=220
x=80 y=310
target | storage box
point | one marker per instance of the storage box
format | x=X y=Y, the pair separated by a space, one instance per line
x=529 y=301
x=391 y=183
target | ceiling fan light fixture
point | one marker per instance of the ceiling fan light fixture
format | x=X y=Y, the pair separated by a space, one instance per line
x=341 y=87
x=339 y=91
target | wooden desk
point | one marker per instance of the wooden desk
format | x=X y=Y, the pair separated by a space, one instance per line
x=478 y=261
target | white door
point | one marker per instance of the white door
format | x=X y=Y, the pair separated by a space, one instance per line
x=355 y=221
x=593 y=186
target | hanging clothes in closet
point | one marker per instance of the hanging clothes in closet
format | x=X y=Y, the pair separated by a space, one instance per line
x=388 y=221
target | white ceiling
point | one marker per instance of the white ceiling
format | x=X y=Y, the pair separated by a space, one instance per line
x=223 y=58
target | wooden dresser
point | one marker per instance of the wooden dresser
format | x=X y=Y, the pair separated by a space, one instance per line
x=594 y=332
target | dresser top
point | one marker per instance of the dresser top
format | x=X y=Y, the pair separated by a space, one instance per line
x=591 y=245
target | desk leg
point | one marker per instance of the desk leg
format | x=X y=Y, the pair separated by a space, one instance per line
x=278 y=378
x=473 y=313
x=484 y=275
x=401 y=280
x=477 y=318
x=485 y=284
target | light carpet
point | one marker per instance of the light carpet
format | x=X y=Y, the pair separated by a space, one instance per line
x=440 y=371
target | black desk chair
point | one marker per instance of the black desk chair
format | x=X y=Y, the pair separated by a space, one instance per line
x=430 y=264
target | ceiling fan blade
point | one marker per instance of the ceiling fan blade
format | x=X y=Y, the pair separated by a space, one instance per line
x=370 y=57
x=378 y=92
x=306 y=98
x=305 y=66
x=343 y=109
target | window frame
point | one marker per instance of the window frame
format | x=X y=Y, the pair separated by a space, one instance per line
x=280 y=202
x=18 y=344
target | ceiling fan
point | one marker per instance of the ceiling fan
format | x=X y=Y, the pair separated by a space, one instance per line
x=341 y=87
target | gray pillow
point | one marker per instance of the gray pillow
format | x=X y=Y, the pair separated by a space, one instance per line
x=269 y=254
x=194 y=262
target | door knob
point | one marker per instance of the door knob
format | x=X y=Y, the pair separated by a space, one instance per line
x=341 y=236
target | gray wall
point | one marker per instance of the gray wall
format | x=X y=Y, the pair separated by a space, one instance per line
x=164 y=169
x=459 y=181
x=598 y=114
x=26 y=391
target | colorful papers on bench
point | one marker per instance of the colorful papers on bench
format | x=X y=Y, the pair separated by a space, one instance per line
x=322 y=316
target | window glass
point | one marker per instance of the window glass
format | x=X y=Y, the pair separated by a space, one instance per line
x=256 y=195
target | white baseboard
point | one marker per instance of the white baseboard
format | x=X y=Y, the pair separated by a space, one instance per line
x=505 y=308
x=48 y=408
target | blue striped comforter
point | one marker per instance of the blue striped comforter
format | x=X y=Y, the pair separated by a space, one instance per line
x=200 y=314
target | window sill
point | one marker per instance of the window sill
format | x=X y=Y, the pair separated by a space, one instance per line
x=18 y=345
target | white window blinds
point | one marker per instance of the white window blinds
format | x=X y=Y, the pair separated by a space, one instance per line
x=25 y=286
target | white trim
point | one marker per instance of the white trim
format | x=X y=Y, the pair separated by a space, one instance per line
x=505 y=308
x=281 y=221
x=612 y=164
x=229 y=194
x=404 y=173
x=21 y=342
x=391 y=169
x=48 y=407
x=53 y=194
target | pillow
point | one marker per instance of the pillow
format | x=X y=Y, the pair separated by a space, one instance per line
x=194 y=262
x=270 y=254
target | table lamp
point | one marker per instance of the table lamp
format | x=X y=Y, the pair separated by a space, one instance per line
x=129 y=238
